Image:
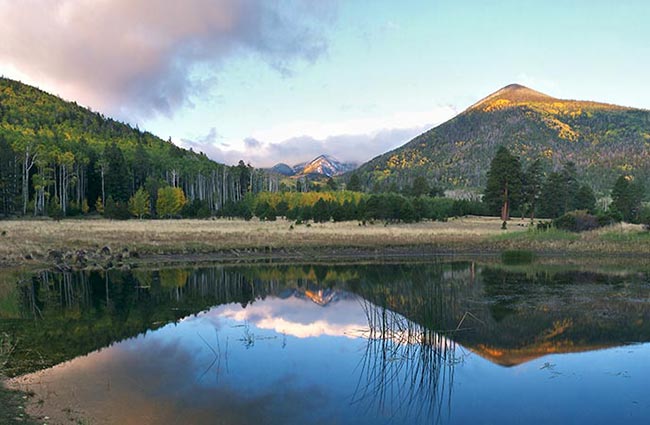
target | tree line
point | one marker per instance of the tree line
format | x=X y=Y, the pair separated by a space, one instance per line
x=530 y=192
x=59 y=159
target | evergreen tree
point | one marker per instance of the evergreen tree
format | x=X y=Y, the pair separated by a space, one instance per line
x=8 y=178
x=116 y=175
x=141 y=165
x=503 y=189
x=244 y=177
x=355 y=183
x=321 y=211
x=571 y=186
x=552 y=201
x=626 y=198
x=420 y=187
x=532 y=186
x=331 y=185
x=585 y=199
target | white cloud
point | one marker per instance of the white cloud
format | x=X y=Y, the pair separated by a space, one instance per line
x=136 y=57
x=355 y=140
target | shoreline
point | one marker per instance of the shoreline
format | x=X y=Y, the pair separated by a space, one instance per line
x=106 y=244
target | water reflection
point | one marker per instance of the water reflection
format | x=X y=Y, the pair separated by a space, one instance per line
x=349 y=344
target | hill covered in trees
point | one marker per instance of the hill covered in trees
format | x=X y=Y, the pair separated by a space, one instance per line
x=58 y=156
x=602 y=140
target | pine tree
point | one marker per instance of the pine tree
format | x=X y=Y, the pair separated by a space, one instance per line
x=8 y=178
x=355 y=183
x=420 y=187
x=116 y=175
x=585 y=199
x=626 y=197
x=552 y=201
x=532 y=186
x=503 y=189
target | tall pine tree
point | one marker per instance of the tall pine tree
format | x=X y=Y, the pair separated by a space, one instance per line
x=116 y=176
x=503 y=189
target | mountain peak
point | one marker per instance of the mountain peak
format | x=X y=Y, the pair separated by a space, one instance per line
x=324 y=164
x=510 y=95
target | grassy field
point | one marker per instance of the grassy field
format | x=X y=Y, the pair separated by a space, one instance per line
x=25 y=241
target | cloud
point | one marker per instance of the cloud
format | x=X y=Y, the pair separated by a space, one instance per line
x=140 y=57
x=350 y=141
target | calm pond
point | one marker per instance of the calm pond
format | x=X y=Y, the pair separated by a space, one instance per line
x=444 y=343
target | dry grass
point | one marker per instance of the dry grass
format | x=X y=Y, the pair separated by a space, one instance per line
x=38 y=237
x=35 y=238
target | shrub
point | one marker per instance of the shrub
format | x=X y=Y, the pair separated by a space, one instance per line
x=609 y=218
x=644 y=217
x=577 y=221
x=116 y=210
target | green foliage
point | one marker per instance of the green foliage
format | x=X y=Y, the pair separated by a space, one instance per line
x=196 y=209
x=601 y=139
x=420 y=187
x=139 y=204
x=504 y=183
x=170 y=202
x=8 y=175
x=331 y=184
x=585 y=199
x=533 y=178
x=627 y=195
x=116 y=210
x=562 y=192
x=54 y=209
x=644 y=217
x=577 y=221
x=51 y=147
x=354 y=184
x=116 y=174
x=265 y=211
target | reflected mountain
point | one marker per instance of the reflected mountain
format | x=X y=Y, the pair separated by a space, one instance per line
x=504 y=316
x=380 y=342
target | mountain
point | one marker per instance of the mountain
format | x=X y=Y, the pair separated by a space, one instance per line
x=65 y=156
x=323 y=165
x=603 y=140
x=283 y=169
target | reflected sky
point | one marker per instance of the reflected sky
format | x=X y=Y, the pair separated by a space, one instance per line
x=562 y=348
x=291 y=361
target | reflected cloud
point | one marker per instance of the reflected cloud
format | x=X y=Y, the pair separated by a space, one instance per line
x=301 y=318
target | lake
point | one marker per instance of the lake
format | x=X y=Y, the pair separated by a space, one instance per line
x=441 y=342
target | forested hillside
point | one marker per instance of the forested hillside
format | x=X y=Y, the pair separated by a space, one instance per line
x=58 y=158
x=604 y=141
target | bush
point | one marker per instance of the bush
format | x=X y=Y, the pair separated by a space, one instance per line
x=644 y=217
x=116 y=210
x=54 y=209
x=577 y=221
x=609 y=218
x=196 y=209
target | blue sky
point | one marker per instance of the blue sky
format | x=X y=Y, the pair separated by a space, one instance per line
x=272 y=80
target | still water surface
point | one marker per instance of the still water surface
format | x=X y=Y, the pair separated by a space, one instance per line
x=446 y=343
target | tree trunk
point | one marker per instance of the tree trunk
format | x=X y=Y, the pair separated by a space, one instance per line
x=505 y=210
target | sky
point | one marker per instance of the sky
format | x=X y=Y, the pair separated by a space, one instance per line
x=271 y=81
